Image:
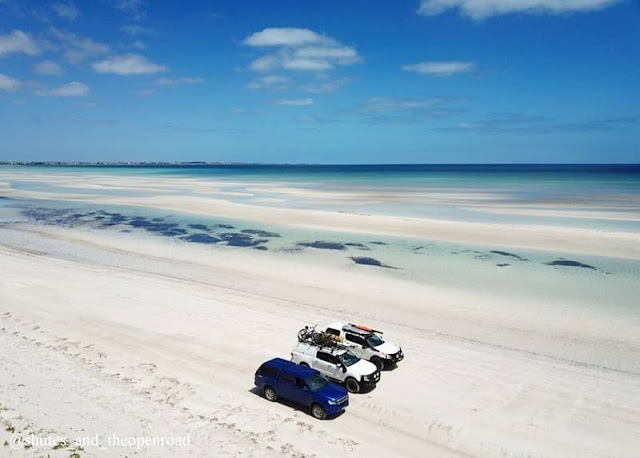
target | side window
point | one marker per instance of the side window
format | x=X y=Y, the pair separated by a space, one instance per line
x=355 y=339
x=327 y=357
x=300 y=383
x=333 y=332
x=288 y=378
x=269 y=371
x=322 y=356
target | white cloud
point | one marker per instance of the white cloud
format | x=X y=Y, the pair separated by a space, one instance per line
x=129 y=64
x=77 y=48
x=47 y=67
x=8 y=84
x=284 y=36
x=138 y=45
x=272 y=82
x=299 y=49
x=481 y=9
x=66 y=10
x=295 y=102
x=73 y=89
x=440 y=68
x=177 y=81
x=18 y=42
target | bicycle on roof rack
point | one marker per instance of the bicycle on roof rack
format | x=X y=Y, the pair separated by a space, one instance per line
x=310 y=335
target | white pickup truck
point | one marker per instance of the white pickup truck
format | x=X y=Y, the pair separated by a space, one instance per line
x=367 y=343
x=337 y=363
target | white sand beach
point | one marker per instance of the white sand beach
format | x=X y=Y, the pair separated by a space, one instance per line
x=129 y=335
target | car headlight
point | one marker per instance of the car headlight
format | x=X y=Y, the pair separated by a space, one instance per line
x=332 y=402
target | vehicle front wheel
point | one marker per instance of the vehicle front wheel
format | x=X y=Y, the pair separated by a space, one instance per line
x=318 y=412
x=352 y=385
x=270 y=393
x=378 y=362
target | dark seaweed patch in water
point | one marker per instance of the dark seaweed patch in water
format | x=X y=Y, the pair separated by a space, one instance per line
x=260 y=233
x=369 y=262
x=240 y=239
x=174 y=232
x=377 y=243
x=503 y=265
x=200 y=227
x=201 y=238
x=225 y=226
x=261 y=247
x=323 y=245
x=359 y=246
x=569 y=263
x=511 y=255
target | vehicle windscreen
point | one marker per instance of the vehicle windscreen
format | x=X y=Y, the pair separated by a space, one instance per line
x=348 y=358
x=316 y=382
x=374 y=340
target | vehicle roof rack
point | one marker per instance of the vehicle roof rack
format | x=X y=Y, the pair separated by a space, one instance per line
x=319 y=338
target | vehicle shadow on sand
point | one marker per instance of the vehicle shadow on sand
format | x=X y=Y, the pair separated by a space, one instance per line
x=297 y=407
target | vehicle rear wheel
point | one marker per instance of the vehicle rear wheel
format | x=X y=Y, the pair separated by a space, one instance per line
x=270 y=393
x=352 y=385
x=318 y=412
x=304 y=364
x=378 y=362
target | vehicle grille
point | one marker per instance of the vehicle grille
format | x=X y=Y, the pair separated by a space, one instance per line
x=375 y=377
x=343 y=401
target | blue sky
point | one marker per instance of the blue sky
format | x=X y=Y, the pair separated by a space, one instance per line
x=426 y=81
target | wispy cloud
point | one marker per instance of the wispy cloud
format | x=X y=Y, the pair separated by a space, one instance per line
x=18 y=42
x=8 y=83
x=73 y=89
x=136 y=29
x=519 y=123
x=294 y=102
x=66 y=10
x=134 y=8
x=440 y=68
x=129 y=64
x=76 y=48
x=386 y=110
x=178 y=81
x=272 y=82
x=482 y=9
x=299 y=49
x=326 y=86
x=47 y=67
x=314 y=119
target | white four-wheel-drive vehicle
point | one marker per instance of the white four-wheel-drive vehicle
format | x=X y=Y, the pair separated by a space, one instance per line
x=367 y=343
x=337 y=363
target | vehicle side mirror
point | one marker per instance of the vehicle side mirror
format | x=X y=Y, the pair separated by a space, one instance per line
x=344 y=368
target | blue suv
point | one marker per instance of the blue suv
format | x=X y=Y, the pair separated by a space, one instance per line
x=302 y=385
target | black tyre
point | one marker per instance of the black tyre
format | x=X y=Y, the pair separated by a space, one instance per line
x=318 y=412
x=270 y=394
x=352 y=385
x=378 y=362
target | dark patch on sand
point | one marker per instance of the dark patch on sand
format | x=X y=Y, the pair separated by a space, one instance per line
x=261 y=248
x=321 y=245
x=503 y=265
x=378 y=243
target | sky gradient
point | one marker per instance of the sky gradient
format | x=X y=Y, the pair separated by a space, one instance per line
x=408 y=81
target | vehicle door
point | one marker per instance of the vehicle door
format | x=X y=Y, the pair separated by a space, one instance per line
x=360 y=348
x=302 y=392
x=288 y=386
x=329 y=365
